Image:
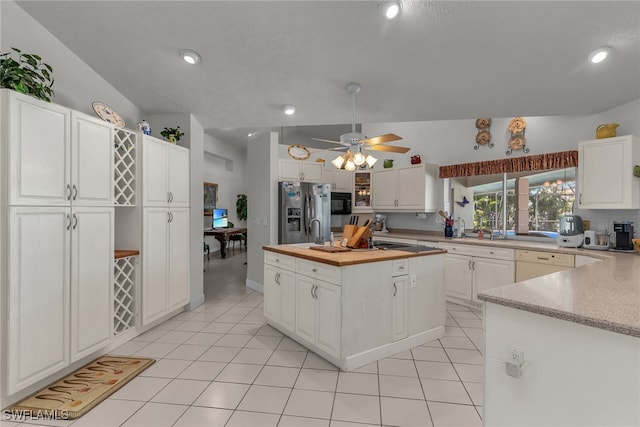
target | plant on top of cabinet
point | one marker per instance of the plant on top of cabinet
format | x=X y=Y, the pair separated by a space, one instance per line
x=172 y=134
x=28 y=74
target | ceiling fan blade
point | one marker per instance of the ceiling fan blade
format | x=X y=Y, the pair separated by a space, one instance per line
x=328 y=140
x=381 y=139
x=317 y=150
x=390 y=148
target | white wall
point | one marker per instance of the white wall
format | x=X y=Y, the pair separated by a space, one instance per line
x=224 y=164
x=76 y=84
x=262 y=226
x=196 y=202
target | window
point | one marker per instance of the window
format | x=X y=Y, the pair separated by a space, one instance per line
x=535 y=201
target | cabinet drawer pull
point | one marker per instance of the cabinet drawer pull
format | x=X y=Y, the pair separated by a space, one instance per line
x=395 y=289
x=168 y=197
x=315 y=270
x=401 y=267
x=75 y=221
x=171 y=196
x=68 y=192
x=315 y=291
x=470 y=265
x=75 y=192
x=277 y=278
x=69 y=223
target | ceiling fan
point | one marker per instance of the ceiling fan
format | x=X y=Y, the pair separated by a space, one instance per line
x=354 y=141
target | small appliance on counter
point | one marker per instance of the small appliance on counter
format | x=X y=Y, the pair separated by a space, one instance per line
x=571 y=232
x=597 y=240
x=380 y=223
x=624 y=235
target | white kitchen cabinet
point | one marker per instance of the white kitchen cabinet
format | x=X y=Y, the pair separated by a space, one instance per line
x=318 y=313
x=471 y=269
x=343 y=181
x=38 y=294
x=400 y=327
x=279 y=296
x=56 y=156
x=410 y=189
x=605 y=173
x=91 y=280
x=165 y=177
x=362 y=192
x=297 y=170
x=165 y=261
x=58 y=225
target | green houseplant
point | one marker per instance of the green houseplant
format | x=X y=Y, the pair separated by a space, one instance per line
x=241 y=207
x=172 y=134
x=26 y=74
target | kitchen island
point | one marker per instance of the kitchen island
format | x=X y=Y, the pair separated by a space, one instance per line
x=356 y=307
x=579 y=333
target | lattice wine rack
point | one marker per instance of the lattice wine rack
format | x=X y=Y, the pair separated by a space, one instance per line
x=125 y=167
x=124 y=317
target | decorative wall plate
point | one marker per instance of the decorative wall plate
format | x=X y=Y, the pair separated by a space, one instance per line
x=517 y=125
x=483 y=123
x=484 y=135
x=108 y=114
x=298 y=152
x=517 y=142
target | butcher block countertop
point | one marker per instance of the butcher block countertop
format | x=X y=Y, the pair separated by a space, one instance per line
x=353 y=257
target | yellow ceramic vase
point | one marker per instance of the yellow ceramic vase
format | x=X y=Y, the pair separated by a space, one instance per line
x=606 y=131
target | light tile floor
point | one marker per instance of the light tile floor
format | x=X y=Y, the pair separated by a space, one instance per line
x=221 y=365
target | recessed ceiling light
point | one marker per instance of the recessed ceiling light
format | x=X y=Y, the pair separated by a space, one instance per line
x=190 y=56
x=289 y=109
x=250 y=134
x=599 y=55
x=390 y=9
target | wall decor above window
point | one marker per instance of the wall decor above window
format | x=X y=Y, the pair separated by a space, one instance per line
x=517 y=141
x=484 y=134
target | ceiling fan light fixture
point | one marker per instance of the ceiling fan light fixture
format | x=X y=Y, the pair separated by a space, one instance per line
x=599 y=55
x=289 y=109
x=358 y=159
x=190 y=56
x=370 y=160
x=350 y=166
x=390 y=9
x=338 y=162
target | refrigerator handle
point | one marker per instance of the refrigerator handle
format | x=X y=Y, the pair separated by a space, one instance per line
x=305 y=216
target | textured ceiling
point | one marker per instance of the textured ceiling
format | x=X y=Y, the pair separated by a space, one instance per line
x=437 y=61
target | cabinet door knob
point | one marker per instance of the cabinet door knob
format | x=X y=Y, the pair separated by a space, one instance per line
x=401 y=267
x=315 y=270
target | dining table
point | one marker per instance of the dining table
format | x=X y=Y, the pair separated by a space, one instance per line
x=223 y=236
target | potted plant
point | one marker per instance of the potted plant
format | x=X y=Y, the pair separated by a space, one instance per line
x=26 y=74
x=241 y=207
x=172 y=135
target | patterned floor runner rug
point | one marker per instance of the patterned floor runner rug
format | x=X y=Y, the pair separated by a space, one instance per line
x=79 y=392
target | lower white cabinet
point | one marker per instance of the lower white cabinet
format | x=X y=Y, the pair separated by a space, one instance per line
x=400 y=327
x=471 y=269
x=318 y=313
x=165 y=261
x=60 y=289
x=279 y=296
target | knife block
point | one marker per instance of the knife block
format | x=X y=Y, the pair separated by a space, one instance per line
x=358 y=235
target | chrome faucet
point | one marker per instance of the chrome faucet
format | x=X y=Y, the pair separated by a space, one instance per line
x=317 y=240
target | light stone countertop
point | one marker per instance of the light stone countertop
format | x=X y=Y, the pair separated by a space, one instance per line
x=603 y=295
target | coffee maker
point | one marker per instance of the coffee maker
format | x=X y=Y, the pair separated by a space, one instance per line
x=624 y=235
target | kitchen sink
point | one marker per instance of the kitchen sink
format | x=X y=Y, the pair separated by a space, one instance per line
x=403 y=247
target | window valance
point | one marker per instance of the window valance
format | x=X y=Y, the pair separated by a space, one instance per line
x=538 y=162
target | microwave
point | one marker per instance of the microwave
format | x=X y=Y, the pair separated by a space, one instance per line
x=340 y=203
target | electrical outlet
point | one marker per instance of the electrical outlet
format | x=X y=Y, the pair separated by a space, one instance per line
x=516 y=356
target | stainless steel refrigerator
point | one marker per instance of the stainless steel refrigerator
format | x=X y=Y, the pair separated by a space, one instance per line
x=305 y=212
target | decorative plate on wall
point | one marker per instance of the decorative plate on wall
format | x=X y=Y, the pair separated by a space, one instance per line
x=484 y=134
x=299 y=152
x=108 y=114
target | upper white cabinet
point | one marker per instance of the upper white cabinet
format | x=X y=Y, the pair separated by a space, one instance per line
x=605 y=173
x=297 y=170
x=56 y=157
x=340 y=180
x=410 y=189
x=165 y=173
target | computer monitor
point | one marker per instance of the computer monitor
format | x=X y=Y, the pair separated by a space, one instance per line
x=220 y=218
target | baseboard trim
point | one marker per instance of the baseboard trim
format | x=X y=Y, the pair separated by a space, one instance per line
x=258 y=287
x=195 y=302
